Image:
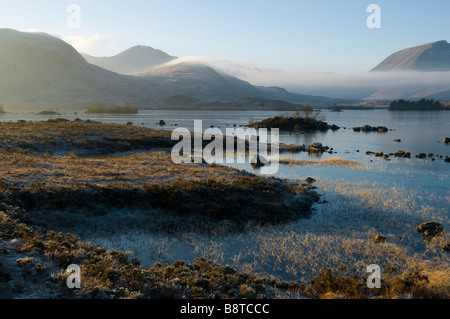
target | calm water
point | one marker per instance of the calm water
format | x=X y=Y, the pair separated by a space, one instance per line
x=420 y=132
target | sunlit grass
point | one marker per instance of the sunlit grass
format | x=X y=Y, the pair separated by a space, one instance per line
x=336 y=162
x=338 y=233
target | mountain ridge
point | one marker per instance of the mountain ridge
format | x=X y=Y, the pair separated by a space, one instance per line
x=433 y=56
x=134 y=60
x=38 y=70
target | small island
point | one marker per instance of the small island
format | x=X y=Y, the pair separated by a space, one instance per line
x=305 y=119
x=421 y=105
x=48 y=112
x=100 y=108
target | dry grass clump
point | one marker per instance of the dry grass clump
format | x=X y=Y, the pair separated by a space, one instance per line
x=326 y=162
x=414 y=283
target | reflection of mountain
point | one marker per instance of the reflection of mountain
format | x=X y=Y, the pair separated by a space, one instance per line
x=433 y=56
x=137 y=59
x=38 y=70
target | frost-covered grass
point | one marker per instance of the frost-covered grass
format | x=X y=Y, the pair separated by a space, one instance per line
x=335 y=161
x=338 y=234
x=143 y=203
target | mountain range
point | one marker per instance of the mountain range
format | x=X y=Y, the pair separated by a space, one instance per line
x=41 y=71
x=38 y=70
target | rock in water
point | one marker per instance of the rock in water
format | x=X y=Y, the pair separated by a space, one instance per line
x=430 y=229
x=379 y=239
x=446 y=246
x=258 y=161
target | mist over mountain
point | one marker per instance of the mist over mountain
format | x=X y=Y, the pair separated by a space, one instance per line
x=434 y=56
x=137 y=59
x=41 y=71
x=408 y=76
x=193 y=79
x=38 y=70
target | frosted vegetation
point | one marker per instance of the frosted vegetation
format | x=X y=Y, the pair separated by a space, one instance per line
x=114 y=186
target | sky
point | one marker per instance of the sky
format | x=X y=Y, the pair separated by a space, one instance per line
x=293 y=35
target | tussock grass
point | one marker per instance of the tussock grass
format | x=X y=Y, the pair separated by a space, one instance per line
x=335 y=161
x=339 y=233
x=46 y=173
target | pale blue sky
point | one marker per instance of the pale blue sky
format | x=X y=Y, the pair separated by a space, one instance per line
x=320 y=35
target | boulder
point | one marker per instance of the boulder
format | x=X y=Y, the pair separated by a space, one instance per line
x=368 y=128
x=258 y=161
x=378 y=239
x=421 y=155
x=334 y=127
x=447 y=140
x=382 y=129
x=430 y=229
x=161 y=123
x=402 y=154
x=379 y=154
x=317 y=148
x=446 y=246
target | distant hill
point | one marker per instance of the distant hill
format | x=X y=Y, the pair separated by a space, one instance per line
x=421 y=105
x=434 y=56
x=198 y=82
x=137 y=59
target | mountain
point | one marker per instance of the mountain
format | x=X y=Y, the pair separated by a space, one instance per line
x=200 y=82
x=434 y=56
x=40 y=71
x=137 y=59
x=419 y=72
x=195 y=81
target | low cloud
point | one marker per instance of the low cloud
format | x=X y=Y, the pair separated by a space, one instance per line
x=377 y=85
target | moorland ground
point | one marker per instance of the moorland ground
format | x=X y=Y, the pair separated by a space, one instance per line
x=60 y=172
